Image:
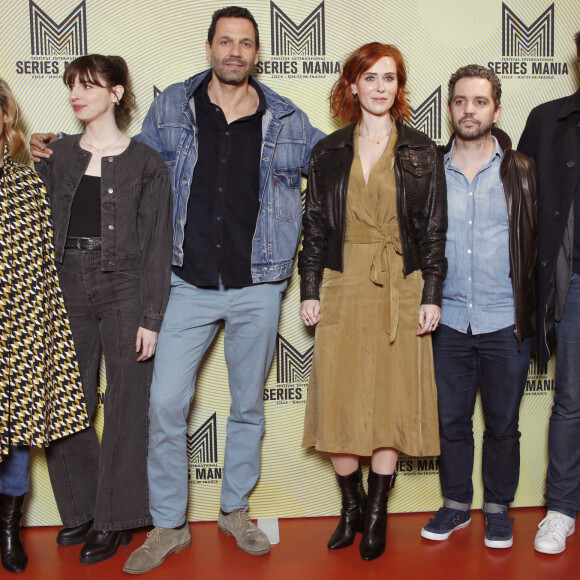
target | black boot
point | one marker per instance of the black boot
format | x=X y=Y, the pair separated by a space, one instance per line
x=14 y=558
x=374 y=537
x=103 y=545
x=73 y=536
x=353 y=510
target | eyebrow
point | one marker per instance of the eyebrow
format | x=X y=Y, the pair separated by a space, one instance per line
x=370 y=72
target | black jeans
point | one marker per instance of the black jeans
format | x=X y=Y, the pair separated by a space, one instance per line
x=106 y=482
x=462 y=363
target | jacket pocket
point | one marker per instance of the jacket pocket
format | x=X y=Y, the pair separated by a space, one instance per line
x=287 y=200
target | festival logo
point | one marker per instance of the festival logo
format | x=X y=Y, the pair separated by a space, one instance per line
x=298 y=50
x=292 y=372
x=427 y=116
x=417 y=466
x=53 y=45
x=528 y=49
x=538 y=382
x=202 y=453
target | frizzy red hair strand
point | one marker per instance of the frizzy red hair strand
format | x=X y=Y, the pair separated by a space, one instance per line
x=342 y=102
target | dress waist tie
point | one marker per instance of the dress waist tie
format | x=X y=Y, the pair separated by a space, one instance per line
x=383 y=267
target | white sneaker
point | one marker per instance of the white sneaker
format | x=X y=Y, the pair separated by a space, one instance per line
x=552 y=533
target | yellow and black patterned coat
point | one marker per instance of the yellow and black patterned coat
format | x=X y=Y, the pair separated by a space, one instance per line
x=41 y=396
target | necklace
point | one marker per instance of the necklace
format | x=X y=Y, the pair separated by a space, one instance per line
x=102 y=148
x=374 y=140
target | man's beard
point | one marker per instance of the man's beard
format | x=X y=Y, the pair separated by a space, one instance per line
x=231 y=77
x=474 y=133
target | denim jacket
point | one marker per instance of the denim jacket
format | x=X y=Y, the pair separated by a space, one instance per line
x=288 y=138
x=135 y=214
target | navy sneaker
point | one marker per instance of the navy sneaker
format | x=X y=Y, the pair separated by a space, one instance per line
x=445 y=522
x=498 y=530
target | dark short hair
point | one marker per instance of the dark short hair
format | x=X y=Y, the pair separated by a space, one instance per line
x=342 y=102
x=232 y=12
x=110 y=70
x=476 y=71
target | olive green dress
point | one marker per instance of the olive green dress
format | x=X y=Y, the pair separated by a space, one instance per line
x=372 y=382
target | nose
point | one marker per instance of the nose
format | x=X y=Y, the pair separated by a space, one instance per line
x=381 y=86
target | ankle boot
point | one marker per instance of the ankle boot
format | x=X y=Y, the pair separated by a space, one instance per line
x=14 y=558
x=353 y=509
x=374 y=537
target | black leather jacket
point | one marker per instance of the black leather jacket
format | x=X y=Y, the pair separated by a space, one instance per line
x=518 y=177
x=421 y=209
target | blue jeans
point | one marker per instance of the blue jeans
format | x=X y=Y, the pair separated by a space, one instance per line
x=462 y=363
x=14 y=471
x=190 y=324
x=563 y=481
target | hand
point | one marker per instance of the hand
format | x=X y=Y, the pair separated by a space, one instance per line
x=146 y=343
x=310 y=312
x=429 y=317
x=38 y=143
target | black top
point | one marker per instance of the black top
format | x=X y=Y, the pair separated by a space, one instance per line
x=576 y=249
x=224 y=200
x=85 y=213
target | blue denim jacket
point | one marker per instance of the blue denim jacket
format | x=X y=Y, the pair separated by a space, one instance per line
x=287 y=142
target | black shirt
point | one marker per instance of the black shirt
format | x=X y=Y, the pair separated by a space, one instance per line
x=224 y=200
x=85 y=212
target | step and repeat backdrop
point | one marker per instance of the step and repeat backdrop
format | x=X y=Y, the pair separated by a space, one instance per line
x=529 y=43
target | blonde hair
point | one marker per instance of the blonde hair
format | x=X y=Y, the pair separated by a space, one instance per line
x=13 y=137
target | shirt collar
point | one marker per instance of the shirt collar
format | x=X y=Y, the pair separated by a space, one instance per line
x=205 y=84
x=497 y=154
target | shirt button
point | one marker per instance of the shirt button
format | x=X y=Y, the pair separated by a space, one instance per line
x=218 y=218
x=469 y=278
x=110 y=160
x=178 y=222
x=571 y=163
x=470 y=193
x=469 y=251
x=557 y=214
x=184 y=182
x=111 y=263
x=471 y=306
x=227 y=133
x=220 y=188
x=469 y=222
x=111 y=227
x=218 y=246
x=545 y=262
x=110 y=190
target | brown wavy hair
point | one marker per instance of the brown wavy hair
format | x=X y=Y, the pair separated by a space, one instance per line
x=103 y=71
x=342 y=102
x=13 y=136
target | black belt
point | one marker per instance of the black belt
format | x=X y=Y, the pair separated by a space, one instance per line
x=86 y=244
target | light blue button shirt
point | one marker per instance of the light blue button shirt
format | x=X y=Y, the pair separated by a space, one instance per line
x=478 y=289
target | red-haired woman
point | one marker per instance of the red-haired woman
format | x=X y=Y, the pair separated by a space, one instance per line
x=374 y=232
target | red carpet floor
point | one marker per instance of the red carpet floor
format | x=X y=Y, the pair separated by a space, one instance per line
x=302 y=554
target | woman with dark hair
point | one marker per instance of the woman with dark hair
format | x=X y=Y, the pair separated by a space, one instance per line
x=374 y=233
x=41 y=396
x=111 y=205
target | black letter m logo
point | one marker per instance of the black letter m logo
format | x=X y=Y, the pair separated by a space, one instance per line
x=202 y=445
x=69 y=38
x=292 y=366
x=427 y=116
x=521 y=40
x=306 y=39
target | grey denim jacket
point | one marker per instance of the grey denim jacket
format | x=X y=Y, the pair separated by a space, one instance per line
x=136 y=214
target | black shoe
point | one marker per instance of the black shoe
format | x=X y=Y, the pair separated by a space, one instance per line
x=353 y=510
x=374 y=537
x=103 y=545
x=14 y=558
x=74 y=536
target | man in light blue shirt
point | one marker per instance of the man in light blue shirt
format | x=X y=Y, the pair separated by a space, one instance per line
x=487 y=313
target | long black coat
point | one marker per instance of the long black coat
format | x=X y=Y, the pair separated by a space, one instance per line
x=552 y=138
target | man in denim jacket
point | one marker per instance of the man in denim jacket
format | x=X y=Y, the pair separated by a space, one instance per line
x=237 y=220
x=236 y=152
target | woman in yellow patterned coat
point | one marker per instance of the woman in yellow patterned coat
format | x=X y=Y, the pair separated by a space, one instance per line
x=40 y=389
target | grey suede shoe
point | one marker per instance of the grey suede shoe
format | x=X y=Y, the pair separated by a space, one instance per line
x=160 y=543
x=249 y=538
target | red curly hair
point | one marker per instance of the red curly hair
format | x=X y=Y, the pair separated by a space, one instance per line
x=344 y=105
